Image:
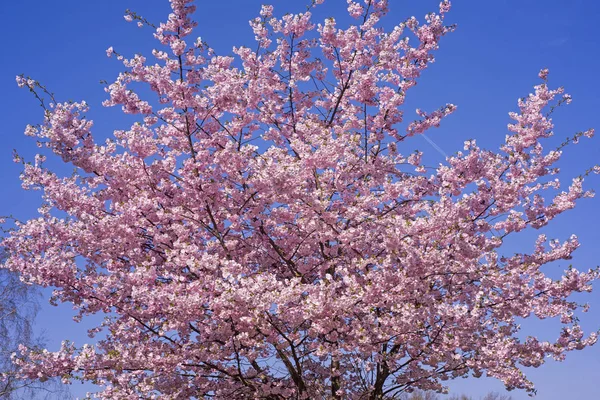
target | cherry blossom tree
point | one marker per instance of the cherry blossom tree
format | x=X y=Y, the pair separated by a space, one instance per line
x=264 y=232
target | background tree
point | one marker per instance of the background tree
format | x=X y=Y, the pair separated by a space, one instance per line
x=17 y=311
x=496 y=396
x=426 y=395
x=264 y=231
x=420 y=395
x=18 y=308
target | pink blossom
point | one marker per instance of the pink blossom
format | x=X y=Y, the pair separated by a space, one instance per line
x=178 y=47
x=589 y=133
x=266 y=11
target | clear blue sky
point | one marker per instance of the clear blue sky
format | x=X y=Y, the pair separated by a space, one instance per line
x=491 y=60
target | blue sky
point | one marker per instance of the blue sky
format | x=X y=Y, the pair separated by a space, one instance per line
x=491 y=60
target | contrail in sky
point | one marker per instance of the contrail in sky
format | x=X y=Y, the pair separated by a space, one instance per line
x=435 y=146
